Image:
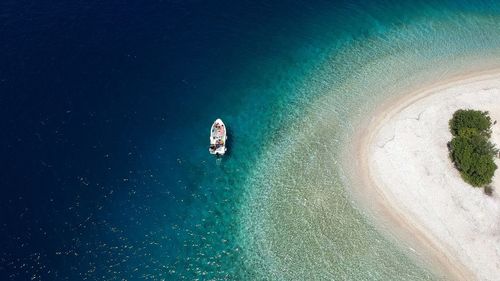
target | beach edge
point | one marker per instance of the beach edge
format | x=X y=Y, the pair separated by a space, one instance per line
x=376 y=199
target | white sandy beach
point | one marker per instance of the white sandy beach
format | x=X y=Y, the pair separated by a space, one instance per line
x=404 y=157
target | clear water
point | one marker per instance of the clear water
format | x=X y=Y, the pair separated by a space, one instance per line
x=107 y=174
x=299 y=220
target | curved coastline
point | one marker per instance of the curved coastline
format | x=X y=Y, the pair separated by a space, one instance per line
x=380 y=198
x=298 y=219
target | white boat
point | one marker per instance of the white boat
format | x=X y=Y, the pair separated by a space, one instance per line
x=218 y=137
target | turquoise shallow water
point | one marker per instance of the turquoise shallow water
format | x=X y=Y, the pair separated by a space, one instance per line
x=299 y=220
x=121 y=185
x=283 y=207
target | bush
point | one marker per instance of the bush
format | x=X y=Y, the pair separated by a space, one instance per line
x=471 y=119
x=470 y=149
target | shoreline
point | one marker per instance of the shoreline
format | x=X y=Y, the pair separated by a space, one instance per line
x=383 y=205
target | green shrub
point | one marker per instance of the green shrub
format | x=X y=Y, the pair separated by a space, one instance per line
x=472 y=119
x=470 y=149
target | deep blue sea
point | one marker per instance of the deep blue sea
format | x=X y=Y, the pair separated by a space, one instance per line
x=105 y=111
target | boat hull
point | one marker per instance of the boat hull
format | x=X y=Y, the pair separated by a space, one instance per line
x=218 y=138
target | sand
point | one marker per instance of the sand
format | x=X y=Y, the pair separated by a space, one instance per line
x=402 y=158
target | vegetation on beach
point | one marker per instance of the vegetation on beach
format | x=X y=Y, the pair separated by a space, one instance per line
x=470 y=149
